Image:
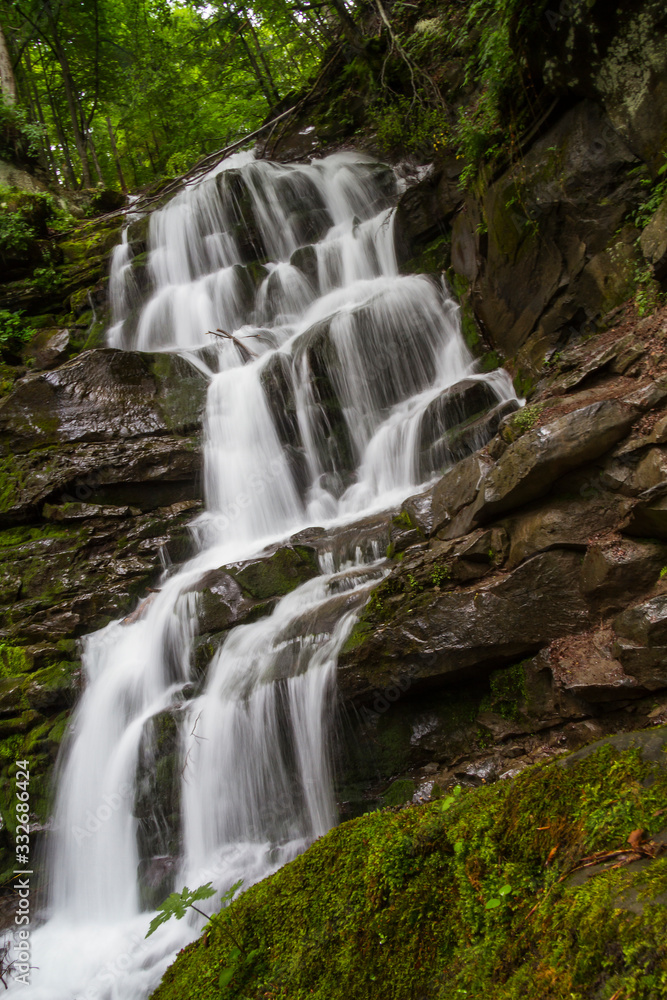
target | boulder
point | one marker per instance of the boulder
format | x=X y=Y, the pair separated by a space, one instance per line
x=48 y=348
x=146 y=472
x=277 y=573
x=463 y=418
x=435 y=508
x=645 y=624
x=244 y=591
x=529 y=466
x=618 y=571
x=222 y=603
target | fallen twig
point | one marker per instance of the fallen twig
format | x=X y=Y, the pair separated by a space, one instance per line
x=223 y=335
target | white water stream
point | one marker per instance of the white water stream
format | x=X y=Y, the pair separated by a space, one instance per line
x=315 y=421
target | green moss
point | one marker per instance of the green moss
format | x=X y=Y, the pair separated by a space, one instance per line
x=402 y=520
x=14 y=660
x=433 y=259
x=11 y=537
x=393 y=905
x=461 y=288
x=360 y=634
x=521 y=421
x=399 y=791
x=278 y=574
x=507 y=692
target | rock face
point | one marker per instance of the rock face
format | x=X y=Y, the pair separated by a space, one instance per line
x=434 y=635
x=100 y=462
x=524 y=597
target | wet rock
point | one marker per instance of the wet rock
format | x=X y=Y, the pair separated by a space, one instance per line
x=222 y=603
x=48 y=348
x=459 y=421
x=648 y=519
x=648 y=667
x=145 y=472
x=435 y=509
x=542 y=455
x=561 y=522
x=444 y=635
x=424 y=209
x=103 y=395
x=586 y=668
x=547 y=220
x=366 y=538
x=276 y=574
x=243 y=225
x=157 y=806
x=245 y=591
x=53 y=687
x=615 y=572
x=646 y=623
x=322 y=620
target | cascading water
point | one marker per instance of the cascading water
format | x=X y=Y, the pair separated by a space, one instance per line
x=328 y=367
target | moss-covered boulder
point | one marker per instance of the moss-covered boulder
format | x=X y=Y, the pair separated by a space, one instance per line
x=551 y=885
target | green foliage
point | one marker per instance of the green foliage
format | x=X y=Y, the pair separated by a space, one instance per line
x=48 y=278
x=153 y=86
x=525 y=419
x=20 y=137
x=406 y=125
x=440 y=574
x=178 y=903
x=17 y=233
x=464 y=896
x=14 y=332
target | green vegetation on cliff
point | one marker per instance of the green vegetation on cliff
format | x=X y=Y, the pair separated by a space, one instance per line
x=540 y=888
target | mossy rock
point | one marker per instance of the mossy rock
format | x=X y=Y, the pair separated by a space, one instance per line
x=470 y=895
x=277 y=574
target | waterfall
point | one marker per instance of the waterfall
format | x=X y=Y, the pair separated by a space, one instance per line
x=329 y=379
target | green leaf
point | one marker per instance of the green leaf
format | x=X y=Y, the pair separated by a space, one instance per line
x=228 y=896
x=176 y=905
x=226 y=976
x=505 y=891
x=493 y=904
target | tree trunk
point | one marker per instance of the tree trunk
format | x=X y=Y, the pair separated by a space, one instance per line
x=269 y=78
x=7 y=81
x=33 y=91
x=93 y=154
x=352 y=34
x=62 y=139
x=258 y=73
x=71 y=96
x=114 y=153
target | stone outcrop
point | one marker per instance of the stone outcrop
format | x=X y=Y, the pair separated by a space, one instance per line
x=524 y=612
